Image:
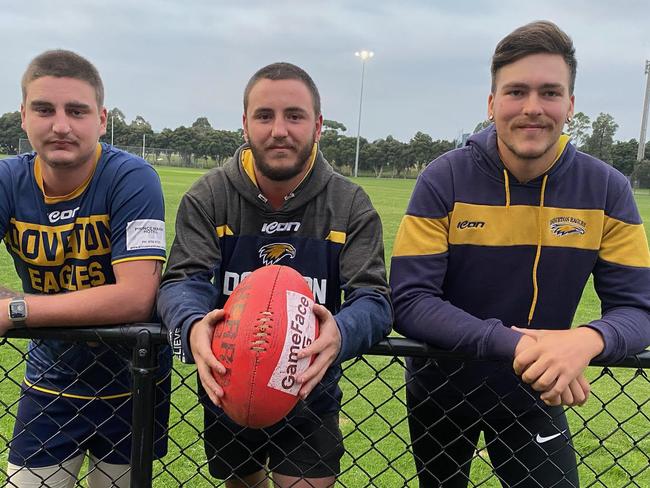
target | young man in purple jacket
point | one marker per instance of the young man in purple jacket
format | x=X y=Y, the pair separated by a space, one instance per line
x=491 y=259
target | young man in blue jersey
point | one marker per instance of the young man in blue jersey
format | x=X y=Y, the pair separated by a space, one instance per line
x=491 y=259
x=84 y=224
x=278 y=201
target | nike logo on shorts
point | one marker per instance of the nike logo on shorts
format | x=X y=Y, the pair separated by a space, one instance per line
x=542 y=439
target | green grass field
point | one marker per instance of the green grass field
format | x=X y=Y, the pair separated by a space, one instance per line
x=613 y=445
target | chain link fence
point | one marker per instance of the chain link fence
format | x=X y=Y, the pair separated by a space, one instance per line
x=156 y=156
x=611 y=433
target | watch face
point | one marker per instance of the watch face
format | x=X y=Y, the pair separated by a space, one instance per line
x=17 y=310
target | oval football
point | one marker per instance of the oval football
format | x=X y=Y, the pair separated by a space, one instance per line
x=267 y=320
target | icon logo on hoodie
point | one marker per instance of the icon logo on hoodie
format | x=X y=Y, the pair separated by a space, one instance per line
x=562 y=226
x=271 y=227
x=274 y=252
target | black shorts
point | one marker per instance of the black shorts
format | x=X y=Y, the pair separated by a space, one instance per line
x=528 y=449
x=50 y=429
x=302 y=445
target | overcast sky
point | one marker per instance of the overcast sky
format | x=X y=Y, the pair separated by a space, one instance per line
x=172 y=61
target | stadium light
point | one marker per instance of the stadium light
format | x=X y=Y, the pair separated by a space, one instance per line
x=644 y=117
x=364 y=55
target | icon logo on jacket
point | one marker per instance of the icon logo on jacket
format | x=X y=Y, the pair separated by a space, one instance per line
x=562 y=226
x=274 y=252
x=469 y=224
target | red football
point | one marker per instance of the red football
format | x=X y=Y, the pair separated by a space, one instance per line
x=268 y=319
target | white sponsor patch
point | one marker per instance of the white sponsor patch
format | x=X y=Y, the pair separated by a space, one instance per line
x=301 y=331
x=145 y=234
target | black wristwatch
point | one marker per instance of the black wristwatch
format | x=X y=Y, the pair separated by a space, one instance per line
x=18 y=312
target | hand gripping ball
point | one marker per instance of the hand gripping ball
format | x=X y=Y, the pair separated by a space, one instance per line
x=267 y=320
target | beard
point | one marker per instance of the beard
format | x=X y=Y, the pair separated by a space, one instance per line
x=530 y=154
x=282 y=173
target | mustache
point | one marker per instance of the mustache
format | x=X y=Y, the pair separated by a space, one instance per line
x=279 y=146
x=536 y=122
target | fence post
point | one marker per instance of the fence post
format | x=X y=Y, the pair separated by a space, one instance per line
x=145 y=363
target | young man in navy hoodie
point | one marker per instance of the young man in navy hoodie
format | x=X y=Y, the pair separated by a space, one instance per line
x=278 y=201
x=491 y=259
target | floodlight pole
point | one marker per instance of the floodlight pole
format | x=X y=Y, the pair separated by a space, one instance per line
x=644 y=117
x=144 y=141
x=364 y=55
x=112 y=118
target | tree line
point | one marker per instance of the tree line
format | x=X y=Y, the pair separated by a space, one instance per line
x=387 y=156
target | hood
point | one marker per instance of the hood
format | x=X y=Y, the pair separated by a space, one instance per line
x=485 y=154
x=313 y=183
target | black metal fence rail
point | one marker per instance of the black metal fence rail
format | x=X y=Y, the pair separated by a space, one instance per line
x=373 y=416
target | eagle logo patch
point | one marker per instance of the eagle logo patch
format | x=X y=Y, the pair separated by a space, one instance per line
x=274 y=252
x=563 y=226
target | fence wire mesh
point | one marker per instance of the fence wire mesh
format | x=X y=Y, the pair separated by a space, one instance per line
x=610 y=434
x=154 y=155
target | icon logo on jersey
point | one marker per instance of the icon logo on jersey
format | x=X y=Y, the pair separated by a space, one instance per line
x=274 y=252
x=562 y=226
x=57 y=215
x=542 y=439
x=271 y=227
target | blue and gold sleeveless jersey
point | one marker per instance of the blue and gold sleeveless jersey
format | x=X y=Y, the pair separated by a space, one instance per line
x=69 y=243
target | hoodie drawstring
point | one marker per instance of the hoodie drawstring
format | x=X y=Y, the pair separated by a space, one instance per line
x=539 y=250
x=506 y=182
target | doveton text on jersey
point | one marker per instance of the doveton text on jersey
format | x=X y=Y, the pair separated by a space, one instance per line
x=52 y=253
x=318 y=286
x=45 y=245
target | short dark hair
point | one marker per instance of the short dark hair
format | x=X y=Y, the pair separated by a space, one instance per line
x=537 y=37
x=284 y=71
x=63 y=64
